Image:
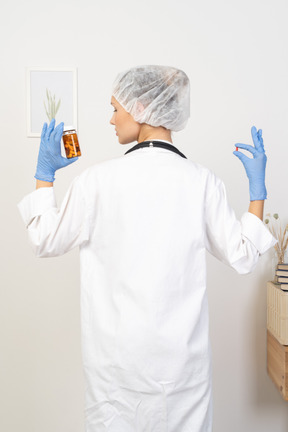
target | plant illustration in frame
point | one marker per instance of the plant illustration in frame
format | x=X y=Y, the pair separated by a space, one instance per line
x=50 y=93
x=51 y=108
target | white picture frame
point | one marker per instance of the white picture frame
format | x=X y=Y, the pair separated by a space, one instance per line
x=45 y=88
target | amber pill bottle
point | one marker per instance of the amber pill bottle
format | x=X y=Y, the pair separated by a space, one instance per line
x=71 y=143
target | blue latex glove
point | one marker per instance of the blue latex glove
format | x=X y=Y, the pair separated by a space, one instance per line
x=255 y=167
x=49 y=157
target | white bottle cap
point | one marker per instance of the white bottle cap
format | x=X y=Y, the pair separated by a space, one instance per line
x=68 y=128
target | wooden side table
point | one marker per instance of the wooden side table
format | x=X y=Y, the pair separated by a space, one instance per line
x=277 y=312
x=277 y=337
x=277 y=364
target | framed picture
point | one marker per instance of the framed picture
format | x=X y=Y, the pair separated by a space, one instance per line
x=51 y=93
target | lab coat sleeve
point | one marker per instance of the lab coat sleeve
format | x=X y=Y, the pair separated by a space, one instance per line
x=52 y=231
x=236 y=243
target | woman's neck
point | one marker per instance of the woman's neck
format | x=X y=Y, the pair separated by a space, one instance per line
x=148 y=133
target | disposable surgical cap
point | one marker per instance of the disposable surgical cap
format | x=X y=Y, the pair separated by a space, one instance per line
x=156 y=95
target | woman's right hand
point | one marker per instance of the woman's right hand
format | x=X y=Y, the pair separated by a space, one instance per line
x=255 y=166
x=49 y=157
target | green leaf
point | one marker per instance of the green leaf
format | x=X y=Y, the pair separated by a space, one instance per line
x=58 y=105
x=46 y=110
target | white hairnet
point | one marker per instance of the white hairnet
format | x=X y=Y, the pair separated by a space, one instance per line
x=156 y=95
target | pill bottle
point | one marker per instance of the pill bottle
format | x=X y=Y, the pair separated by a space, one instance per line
x=70 y=141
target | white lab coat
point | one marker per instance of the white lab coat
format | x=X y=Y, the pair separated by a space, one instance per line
x=143 y=222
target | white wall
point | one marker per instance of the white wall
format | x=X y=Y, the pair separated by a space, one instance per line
x=235 y=53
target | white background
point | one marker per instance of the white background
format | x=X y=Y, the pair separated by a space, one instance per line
x=235 y=54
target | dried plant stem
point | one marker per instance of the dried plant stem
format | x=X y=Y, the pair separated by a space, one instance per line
x=51 y=108
x=280 y=234
x=286 y=244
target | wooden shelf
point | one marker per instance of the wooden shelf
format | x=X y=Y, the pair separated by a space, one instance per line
x=277 y=364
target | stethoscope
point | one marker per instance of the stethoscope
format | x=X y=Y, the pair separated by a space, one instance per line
x=156 y=144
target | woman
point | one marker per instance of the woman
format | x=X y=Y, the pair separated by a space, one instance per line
x=143 y=223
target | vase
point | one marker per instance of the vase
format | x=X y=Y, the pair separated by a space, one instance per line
x=279 y=257
x=274 y=266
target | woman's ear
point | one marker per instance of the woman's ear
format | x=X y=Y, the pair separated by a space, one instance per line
x=139 y=107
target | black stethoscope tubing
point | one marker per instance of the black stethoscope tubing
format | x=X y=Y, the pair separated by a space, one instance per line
x=156 y=144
